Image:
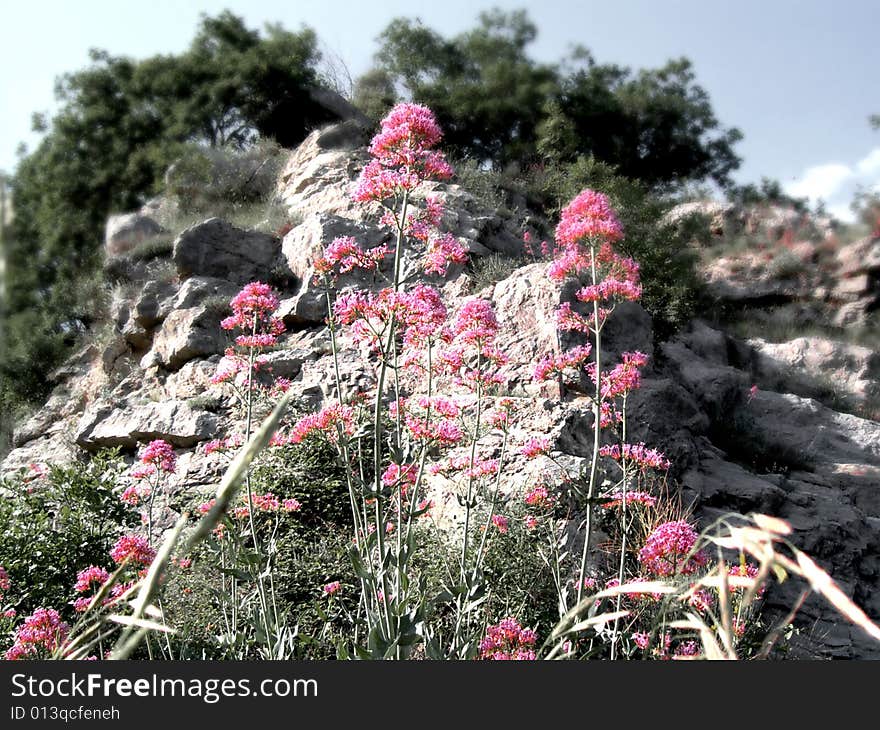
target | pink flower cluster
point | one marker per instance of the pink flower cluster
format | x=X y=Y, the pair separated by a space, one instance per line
x=133 y=548
x=265 y=503
x=507 y=640
x=624 y=377
x=344 y=255
x=638 y=454
x=669 y=550
x=588 y=216
x=4 y=581
x=158 y=455
x=420 y=312
x=400 y=476
x=253 y=311
x=444 y=250
x=332 y=588
x=223 y=444
x=331 y=422
x=91 y=578
x=616 y=499
x=501 y=523
x=747 y=570
x=540 y=497
x=476 y=469
x=535 y=447
x=402 y=155
x=551 y=366
x=41 y=634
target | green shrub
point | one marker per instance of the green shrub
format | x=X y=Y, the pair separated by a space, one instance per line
x=159 y=246
x=671 y=288
x=56 y=525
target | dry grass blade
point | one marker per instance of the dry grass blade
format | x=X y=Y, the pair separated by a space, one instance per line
x=822 y=583
x=140 y=623
x=772 y=524
x=602 y=618
x=235 y=473
x=129 y=639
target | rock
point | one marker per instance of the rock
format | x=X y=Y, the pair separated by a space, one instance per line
x=721 y=217
x=861 y=257
x=126 y=231
x=186 y=334
x=307 y=241
x=153 y=303
x=174 y=421
x=319 y=174
x=218 y=249
x=197 y=289
x=812 y=364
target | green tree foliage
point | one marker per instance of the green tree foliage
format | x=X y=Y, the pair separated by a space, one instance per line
x=497 y=104
x=120 y=123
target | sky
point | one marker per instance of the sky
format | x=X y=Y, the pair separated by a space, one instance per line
x=798 y=77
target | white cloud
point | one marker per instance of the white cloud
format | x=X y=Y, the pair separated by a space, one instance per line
x=820 y=181
x=869 y=165
x=836 y=184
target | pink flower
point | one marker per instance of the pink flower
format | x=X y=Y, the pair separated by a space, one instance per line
x=133 y=548
x=4 y=580
x=159 y=454
x=552 y=366
x=133 y=494
x=638 y=454
x=442 y=251
x=332 y=588
x=345 y=253
x=539 y=497
x=252 y=311
x=531 y=522
x=397 y=475
x=331 y=422
x=506 y=641
x=670 y=550
x=535 y=447
x=500 y=522
x=588 y=216
x=475 y=322
x=41 y=634
x=748 y=570
x=291 y=505
x=93 y=576
x=616 y=499
x=402 y=155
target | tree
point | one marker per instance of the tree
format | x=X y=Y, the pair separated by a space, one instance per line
x=498 y=105
x=486 y=92
x=120 y=123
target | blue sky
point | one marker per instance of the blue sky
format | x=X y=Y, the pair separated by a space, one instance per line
x=799 y=78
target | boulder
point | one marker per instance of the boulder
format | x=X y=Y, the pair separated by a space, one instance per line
x=126 y=425
x=218 y=249
x=124 y=232
x=186 y=334
x=816 y=363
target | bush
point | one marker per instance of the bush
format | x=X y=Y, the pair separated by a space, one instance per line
x=671 y=286
x=57 y=524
